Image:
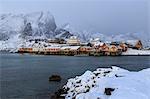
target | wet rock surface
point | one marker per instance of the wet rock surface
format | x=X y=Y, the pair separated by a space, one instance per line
x=55 y=78
x=59 y=94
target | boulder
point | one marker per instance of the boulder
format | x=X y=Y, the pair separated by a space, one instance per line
x=55 y=78
x=108 y=91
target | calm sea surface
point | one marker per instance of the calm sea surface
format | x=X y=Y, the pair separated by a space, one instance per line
x=26 y=76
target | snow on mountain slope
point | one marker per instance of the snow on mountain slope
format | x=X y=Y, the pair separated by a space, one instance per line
x=38 y=23
x=11 y=44
x=133 y=36
x=63 y=31
x=25 y=26
x=86 y=35
x=42 y=25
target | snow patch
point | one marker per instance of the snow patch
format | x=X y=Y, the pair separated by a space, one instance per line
x=136 y=52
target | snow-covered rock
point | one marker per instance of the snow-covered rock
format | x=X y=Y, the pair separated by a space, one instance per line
x=126 y=84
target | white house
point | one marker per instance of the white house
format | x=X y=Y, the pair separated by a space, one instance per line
x=73 y=40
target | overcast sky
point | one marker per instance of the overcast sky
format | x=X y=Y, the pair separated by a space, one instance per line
x=105 y=16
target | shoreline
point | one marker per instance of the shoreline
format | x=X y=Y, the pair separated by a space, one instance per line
x=88 y=55
x=105 y=83
x=41 y=70
x=79 y=55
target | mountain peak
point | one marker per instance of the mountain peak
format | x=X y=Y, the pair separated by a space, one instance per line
x=40 y=23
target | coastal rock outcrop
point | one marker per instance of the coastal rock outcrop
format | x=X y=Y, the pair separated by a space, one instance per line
x=55 y=78
x=104 y=84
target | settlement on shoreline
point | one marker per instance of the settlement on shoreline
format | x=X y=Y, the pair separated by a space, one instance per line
x=108 y=83
x=73 y=47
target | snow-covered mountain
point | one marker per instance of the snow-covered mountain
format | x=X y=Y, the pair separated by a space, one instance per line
x=27 y=25
x=118 y=37
x=86 y=35
x=33 y=24
x=14 y=29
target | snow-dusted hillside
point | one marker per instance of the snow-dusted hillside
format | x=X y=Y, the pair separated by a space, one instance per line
x=33 y=24
x=109 y=83
x=14 y=28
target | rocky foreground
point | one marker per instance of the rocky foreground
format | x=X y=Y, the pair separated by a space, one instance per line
x=108 y=83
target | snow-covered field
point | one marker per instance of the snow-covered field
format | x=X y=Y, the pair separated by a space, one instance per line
x=136 y=52
x=124 y=84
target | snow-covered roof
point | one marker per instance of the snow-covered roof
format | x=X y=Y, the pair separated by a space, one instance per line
x=83 y=43
x=98 y=44
x=73 y=37
x=59 y=45
x=70 y=47
x=53 y=47
x=107 y=42
x=95 y=39
x=132 y=42
x=86 y=46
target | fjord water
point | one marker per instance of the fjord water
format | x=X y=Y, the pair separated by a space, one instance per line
x=25 y=76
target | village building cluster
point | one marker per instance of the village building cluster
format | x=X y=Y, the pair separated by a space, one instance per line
x=73 y=47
